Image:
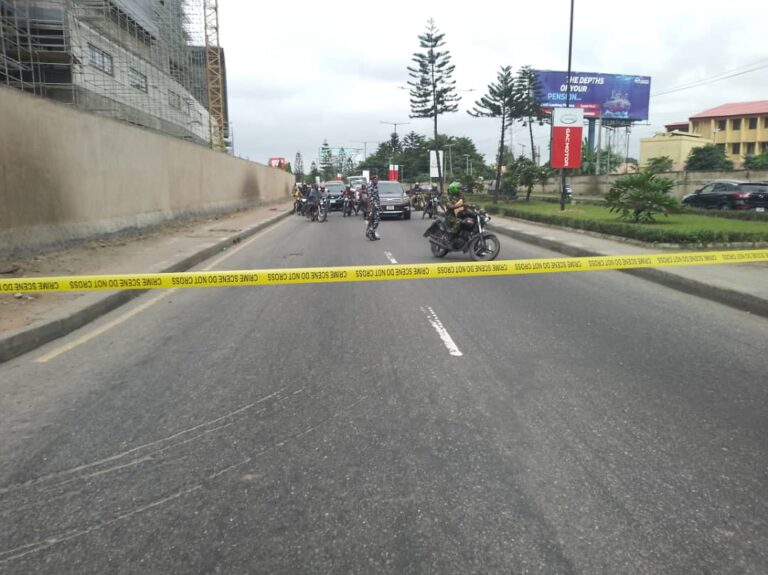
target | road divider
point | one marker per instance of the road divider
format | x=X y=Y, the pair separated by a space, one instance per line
x=208 y=279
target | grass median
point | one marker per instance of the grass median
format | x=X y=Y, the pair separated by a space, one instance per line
x=681 y=228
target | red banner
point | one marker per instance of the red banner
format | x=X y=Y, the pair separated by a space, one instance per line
x=394 y=173
x=567 y=128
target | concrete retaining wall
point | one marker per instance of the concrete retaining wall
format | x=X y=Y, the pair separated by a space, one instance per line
x=67 y=175
x=685 y=182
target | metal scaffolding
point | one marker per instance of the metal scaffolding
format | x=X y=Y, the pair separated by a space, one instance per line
x=138 y=61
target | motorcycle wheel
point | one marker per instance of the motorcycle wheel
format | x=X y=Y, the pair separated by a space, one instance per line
x=485 y=248
x=322 y=215
x=437 y=251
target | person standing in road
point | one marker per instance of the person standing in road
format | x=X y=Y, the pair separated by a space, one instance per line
x=374 y=208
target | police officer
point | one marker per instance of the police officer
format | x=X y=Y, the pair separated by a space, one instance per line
x=374 y=208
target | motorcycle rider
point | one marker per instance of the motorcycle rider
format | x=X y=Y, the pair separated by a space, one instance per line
x=374 y=207
x=454 y=207
x=312 y=198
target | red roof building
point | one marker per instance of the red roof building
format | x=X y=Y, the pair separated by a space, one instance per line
x=741 y=128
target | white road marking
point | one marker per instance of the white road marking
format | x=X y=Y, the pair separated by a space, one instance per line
x=390 y=257
x=453 y=349
x=128 y=315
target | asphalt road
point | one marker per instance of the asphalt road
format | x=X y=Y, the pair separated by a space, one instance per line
x=559 y=424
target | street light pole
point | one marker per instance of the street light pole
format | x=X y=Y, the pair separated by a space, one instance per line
x=365 y=147
x=395 y=124
x=567 y=104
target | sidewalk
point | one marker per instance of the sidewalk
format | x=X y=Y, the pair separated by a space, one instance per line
x=29 y=321
x=743 y=286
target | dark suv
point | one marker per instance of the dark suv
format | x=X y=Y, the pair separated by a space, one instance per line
x=730 y=195
x=394 y=200
x=335 y=191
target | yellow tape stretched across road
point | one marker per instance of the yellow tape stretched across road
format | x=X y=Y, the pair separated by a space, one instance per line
x=372 y=273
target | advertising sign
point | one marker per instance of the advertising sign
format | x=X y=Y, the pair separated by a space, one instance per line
x=567 y=126
x=599 y=95
x=277 y=163
x=433 y=164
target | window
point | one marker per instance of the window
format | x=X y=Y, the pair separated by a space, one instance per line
x=736 y=148
x=100 y=59
x=721 y=124
x=753 y=123
x=765 y=122
x=751 y=149
x=736 y=124
x=137 y=80
x=174 y=100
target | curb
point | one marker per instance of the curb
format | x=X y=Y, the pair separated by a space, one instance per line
x=29 y=340
x=731 y=298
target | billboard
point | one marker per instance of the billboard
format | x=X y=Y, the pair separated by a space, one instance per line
x=567 y=126
x=276 y=163
x=433 y=164
x=599 y=95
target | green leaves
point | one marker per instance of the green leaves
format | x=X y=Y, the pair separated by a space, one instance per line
x=637 y=197
x=660 y=164
x=709 y=157
x=433 y=90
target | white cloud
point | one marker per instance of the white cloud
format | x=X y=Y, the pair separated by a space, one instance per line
x=305 y=71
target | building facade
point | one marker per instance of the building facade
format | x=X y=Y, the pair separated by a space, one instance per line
x=741 y=129
x=132 y=60
x=676 y=145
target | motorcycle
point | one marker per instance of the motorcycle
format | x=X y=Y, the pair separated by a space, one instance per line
x=430 y=209
x=348 y=206
x=471 y=237
x=318 y=212
x=298 y=206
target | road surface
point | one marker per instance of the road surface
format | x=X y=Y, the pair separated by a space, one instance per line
x=558 y=424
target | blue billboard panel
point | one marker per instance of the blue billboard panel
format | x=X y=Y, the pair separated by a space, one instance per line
x=600 y=95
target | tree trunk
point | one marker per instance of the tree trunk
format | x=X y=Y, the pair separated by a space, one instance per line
x=533 y=150
x=500 y=157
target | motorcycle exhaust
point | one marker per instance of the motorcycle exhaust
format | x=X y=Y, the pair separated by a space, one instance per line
x=439 y=243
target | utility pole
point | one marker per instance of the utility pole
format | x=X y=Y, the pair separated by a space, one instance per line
x=395 y=124
x=365 y=147
x=450 y=157
x=567 y=104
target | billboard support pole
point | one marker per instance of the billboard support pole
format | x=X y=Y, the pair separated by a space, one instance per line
x=591 y=133
x=567 y=104
x=599 y=147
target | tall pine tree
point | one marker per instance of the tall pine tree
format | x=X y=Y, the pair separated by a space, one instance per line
x=499 y=102
x=433 y=90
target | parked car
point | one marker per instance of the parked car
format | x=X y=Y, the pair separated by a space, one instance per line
x=394 y=200
x=335 y=191
x=730 y=195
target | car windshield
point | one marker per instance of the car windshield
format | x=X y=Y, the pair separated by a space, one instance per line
x=334 y=188
x=390 y=189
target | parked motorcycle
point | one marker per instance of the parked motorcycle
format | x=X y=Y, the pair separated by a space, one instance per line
x=471 y=237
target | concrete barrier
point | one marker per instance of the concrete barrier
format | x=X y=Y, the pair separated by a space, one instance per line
x=67 y=175
x=685 y=182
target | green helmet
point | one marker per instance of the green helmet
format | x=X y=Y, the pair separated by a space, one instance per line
x=454 y=188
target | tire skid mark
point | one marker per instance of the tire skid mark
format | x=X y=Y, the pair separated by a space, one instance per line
x=76 y=470
x=23 y=550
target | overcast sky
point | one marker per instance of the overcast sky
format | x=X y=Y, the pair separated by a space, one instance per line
x=299 y=72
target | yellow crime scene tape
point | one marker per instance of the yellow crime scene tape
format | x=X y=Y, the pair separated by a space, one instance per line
x=389 y=272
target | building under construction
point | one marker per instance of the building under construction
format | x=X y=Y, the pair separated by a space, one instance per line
x=139 y=61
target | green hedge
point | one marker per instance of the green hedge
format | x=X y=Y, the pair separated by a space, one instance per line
x=634 y=231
